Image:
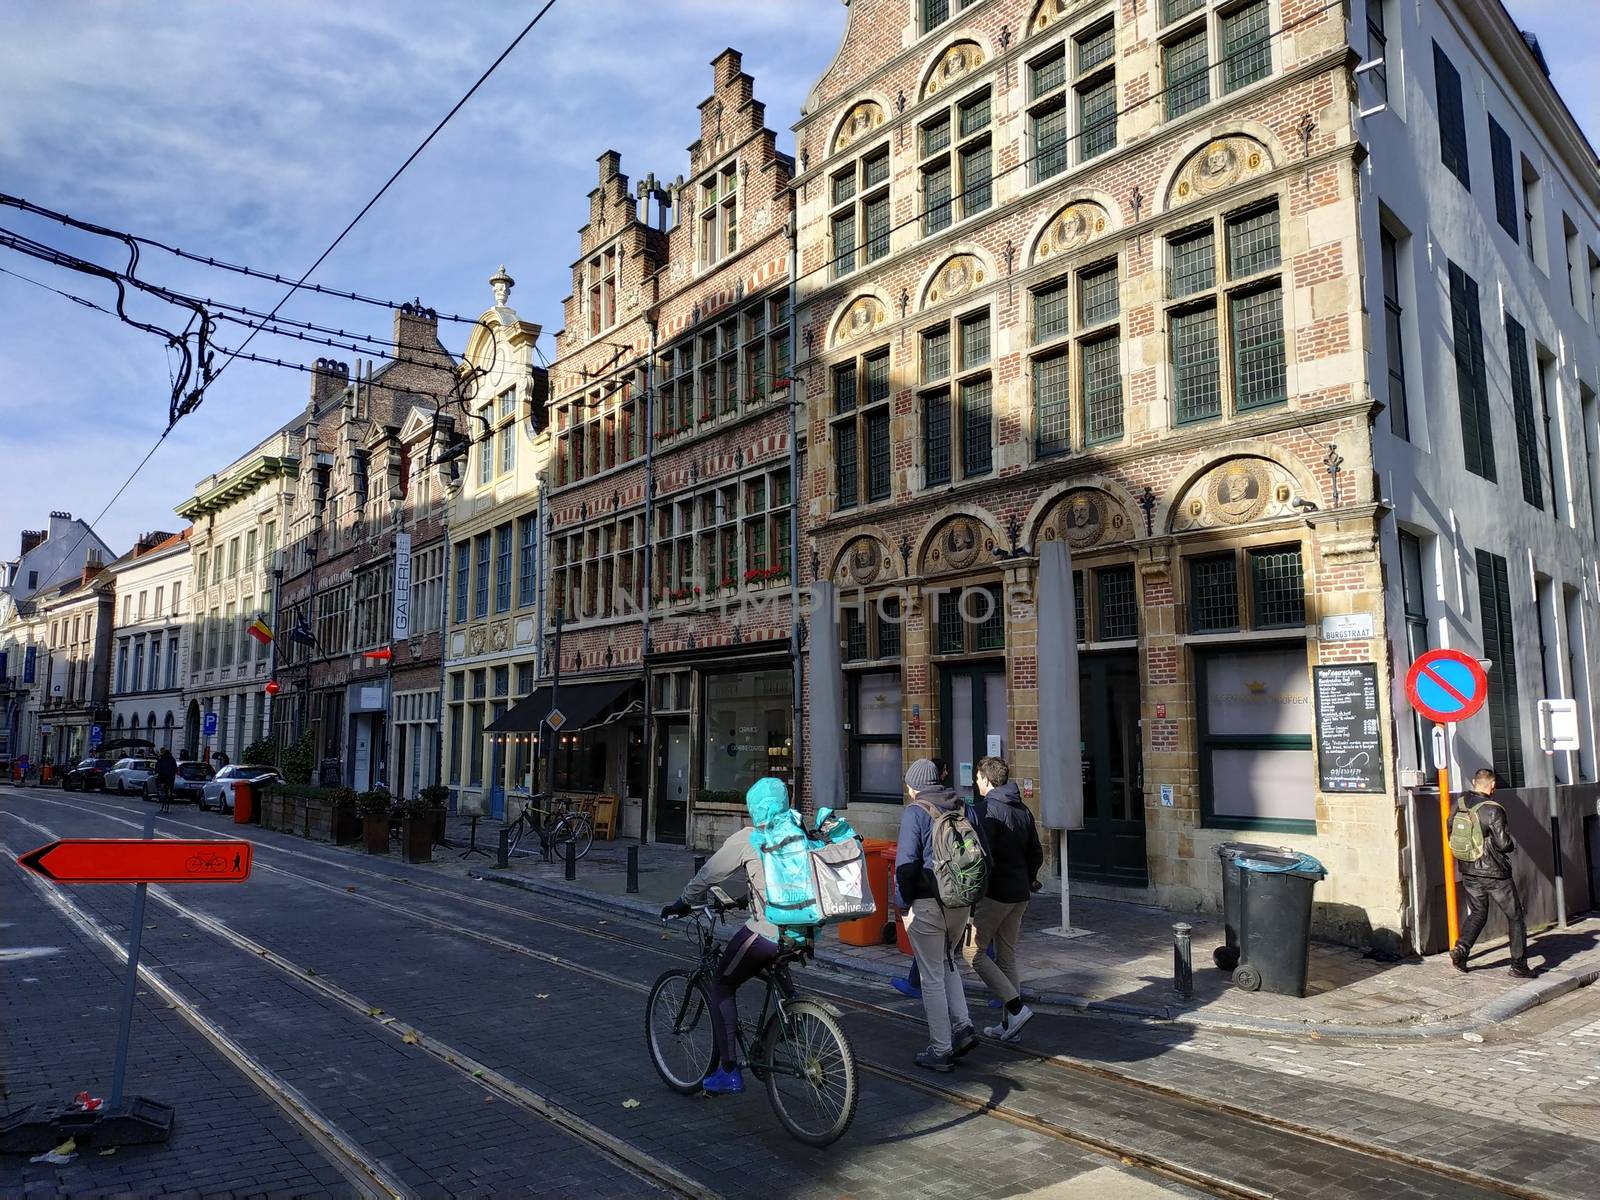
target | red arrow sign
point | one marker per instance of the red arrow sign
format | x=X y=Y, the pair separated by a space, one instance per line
x=132 y=860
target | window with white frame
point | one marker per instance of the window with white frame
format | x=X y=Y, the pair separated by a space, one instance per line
x=1225 y=320
x=333 y=621
x=1210 y=48
x=956 y=162
x=719 y=214
x=1072 y=97
x=859 y=211
x=956 y=399
x=598 y=571
x=601 y=276
x=1076 y=368
x=861 y=416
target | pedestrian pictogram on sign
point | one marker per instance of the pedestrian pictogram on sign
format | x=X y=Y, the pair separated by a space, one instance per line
x=130 y=860
x=1446 y=685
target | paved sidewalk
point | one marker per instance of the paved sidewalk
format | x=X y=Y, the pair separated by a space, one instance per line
x=1122 y=962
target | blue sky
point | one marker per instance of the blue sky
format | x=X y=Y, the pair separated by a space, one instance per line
x=253 y=133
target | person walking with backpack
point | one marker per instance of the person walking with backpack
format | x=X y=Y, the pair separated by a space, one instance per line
x=939 y=872
x=1480 y=841
x=1015 y=857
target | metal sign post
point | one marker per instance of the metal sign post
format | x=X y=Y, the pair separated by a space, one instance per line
x=1558 y=730
x=1446 y=686
x=119 y=1121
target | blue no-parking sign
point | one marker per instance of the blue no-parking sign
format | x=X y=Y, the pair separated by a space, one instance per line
x=1446 y=685
x=208 y=725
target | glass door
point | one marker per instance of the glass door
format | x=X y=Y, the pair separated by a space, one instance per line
x=973 y=720
x=1110 y=848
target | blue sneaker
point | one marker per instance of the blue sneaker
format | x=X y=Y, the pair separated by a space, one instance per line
x=903 y=986
x=724 y=1083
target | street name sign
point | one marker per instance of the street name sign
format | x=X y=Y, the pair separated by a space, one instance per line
x=131 y=860
x=1446 y=685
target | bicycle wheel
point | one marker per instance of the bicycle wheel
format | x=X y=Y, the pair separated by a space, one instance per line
x=811 y=1073
x=575 y=827
x=519 y=833
x=677 y=1027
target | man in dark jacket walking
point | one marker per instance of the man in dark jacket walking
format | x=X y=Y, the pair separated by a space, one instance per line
x=934 y=931
x=1015 y=857
x=1489 y=878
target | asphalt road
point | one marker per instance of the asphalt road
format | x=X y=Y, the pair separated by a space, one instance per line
x=343 y=1024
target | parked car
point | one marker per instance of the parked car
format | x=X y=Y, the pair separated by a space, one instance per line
x=218 y=791
x=88 y=776
x=187 y=788
x=129 y=775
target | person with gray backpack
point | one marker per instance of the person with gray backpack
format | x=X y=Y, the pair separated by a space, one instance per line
x=940 y=871
x=1481 y=842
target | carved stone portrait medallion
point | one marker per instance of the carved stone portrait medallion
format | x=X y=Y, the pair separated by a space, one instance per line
x=1218 y=165
x=959 y=544
x=1074 y=226
x=860 y=122
x=1083 y=517
x=864 y=561
x=1238 y=491
x=956 y=278
x=864 y=315
x=953 y=64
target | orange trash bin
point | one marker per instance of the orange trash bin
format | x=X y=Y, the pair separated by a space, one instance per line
x=869 y=931
x=244 y=803
x=901 y=941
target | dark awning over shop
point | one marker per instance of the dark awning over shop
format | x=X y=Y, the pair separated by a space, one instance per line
x=582 y=704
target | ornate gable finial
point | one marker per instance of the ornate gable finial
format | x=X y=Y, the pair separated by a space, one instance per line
x=502 y=285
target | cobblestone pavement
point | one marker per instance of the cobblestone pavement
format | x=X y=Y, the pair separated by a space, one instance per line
x=1123 y=960
x=417 y=950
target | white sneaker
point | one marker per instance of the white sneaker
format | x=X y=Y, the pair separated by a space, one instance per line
x=1010 y=1027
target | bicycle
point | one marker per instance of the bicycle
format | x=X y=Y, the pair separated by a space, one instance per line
x=798 y=1048
x=552 y=827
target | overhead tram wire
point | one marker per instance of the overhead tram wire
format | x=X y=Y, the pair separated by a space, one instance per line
x=233 y=354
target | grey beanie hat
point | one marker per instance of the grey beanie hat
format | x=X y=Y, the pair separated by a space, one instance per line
x=922 y=775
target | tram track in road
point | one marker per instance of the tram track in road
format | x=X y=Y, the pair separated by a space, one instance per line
x=1203 y=1112
x=340 y=1147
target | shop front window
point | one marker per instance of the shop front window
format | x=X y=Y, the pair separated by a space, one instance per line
x=1257 y=769
x=581 y=761
x=875 y=767
x=747 y=731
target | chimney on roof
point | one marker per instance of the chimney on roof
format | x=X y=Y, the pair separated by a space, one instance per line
x=610 y=165
x=416 y=332
x=92 y=566
x=149 y=541
x=328 y=380
x=33 y=537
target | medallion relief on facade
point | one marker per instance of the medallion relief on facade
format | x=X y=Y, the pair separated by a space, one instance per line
x=859 y=122
x=475 y=641
x=499 y=637
x=1076 y=225
x=861 y=564
x=1236 y=492
x=864 y=317
x=1217 y=166
x=1087 y=517
x=957 y=61
x=960 y=544
x=1048 y=13
x=956 y=278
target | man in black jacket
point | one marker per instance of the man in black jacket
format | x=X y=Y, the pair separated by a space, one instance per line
x=1489 y=878
x=1015 y=857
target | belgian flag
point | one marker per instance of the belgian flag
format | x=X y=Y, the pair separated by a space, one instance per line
x=261 y=631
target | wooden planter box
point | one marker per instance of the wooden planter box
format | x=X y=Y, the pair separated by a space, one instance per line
x=316 y=818
x=375 y=829
x=416 y=835
x=346 y=825
x=275 y=810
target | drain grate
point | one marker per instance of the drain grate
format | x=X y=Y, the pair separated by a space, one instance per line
x=1584 y=1116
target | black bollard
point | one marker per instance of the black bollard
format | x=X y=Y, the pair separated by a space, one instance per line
x=503 y=859
x=572 y=859
x=633 y=870
x=1182 y=960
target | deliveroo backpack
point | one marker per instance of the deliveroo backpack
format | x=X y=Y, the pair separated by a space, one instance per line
x=813 y=882
x=839 y=866
x=1466 y=832
x=960 y=866
x=791 y=899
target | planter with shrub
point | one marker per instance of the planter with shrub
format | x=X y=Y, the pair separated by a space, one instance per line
x=437 y=796
x=419 y=821
x=374 y=808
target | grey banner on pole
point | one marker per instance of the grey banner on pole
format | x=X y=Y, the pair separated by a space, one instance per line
x=401 y=614
x=825 y=731
x=1060 y=737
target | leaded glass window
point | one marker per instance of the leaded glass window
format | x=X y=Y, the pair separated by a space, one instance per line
x=1258 y=362
x=1197 y=391
x=1102 y=390
x=1116 y=604
x=1186 y=67
x=1277 y=583
x=1213 y=594
x=1246 y=46
x=1052 y=401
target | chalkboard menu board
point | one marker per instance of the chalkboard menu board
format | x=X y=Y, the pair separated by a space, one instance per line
x=1349 y=745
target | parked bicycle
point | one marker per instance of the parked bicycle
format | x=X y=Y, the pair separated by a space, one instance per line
x=552 y=828
x=798 y=1048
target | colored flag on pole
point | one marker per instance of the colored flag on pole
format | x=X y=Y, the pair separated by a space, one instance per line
x=261 y=631
x=302 y=631
x=382 y=653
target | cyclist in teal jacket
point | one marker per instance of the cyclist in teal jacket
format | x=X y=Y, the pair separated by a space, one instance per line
x=755 y=946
